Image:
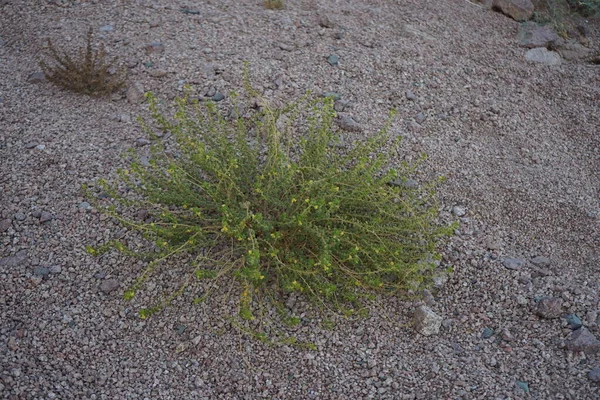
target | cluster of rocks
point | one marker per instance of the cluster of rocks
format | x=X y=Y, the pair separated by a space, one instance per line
x=544 y=45
x=579 y=339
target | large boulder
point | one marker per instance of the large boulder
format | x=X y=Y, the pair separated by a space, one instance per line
x=426 y=321
x=532 y=35
x=519 y=10
x=542 y=55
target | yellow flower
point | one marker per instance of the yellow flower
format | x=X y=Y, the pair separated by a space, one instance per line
x=293 y=200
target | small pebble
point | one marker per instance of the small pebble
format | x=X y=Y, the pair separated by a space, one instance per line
x=487 y=333
x=41 y=271
x=333 y=60
x=218 y=96
x=573 y=321
x=20 y=216
x=410 y=95
x=155 y=48
x=106 y=28
x=513 y=263
x=420 y=118
x=594 y=375
x=142 y=142
x=459 y=211
x=109 y=285
x=549 y=307
x=524 y=386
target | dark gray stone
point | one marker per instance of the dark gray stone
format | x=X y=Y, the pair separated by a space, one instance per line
x=20 y=216
x=420 y=118
x=594 y=375
x=14 y=261
x=85 y=206
x=540 y=261
x=5 y=224
x=333 y=60
x=573 y=321
x=410 y=95
x=218 y=96
x=549 y=307
x=109 y=286
x=46 y=216
x=513 y=263
x=524 y=386
x=335 y=96
x=346 y=123
x=582 y=340
x=519 y=10
x=140 y=142
x=37 y=77
x=41 y=271
x=487 y=333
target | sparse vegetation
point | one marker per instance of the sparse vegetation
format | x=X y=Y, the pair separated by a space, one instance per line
x=251 y=204
x=89 y=72
x=274 y=4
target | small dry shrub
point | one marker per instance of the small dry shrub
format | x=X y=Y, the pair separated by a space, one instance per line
x=90 y=72
x=274 y=4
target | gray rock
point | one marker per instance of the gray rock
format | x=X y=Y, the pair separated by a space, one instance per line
x=346 y=123
x=106 y=28
x=410 y=95
x=218 y=97
x=325 y=22
x=459 y=211
x=109 y=286
x=14 y=261
x=211 y=91
x=5 y=224
x=55 y=269
x=155 y=48
x=37 y=77
x=594 y=375
x=334 y=95
x=573 y=321
x=549 y=307
x=20 y=216
x=142 y=142
x=440 y=280
x=543 y=56
x=31 y=145
x=158 y=73
x=41 y=271
x=524 y=386
x=85 y=206
x=420 y=118
x=126 y=118
x=341 y=105
x=519 y=10
x=513 y=263
x=487 y=333
x=532 y=35
x=428 y=298
x=100 y=275
x=572 y=50
x=135 y=93
x=582 y=340
x=333 y=60
x=45 y=217
x=426 y=321
x=540 y=261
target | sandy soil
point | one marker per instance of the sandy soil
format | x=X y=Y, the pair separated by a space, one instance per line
x=518 y=142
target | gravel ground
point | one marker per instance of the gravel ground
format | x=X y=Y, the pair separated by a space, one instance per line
x=518 y=142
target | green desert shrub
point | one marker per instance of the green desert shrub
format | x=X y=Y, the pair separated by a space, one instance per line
x=88 y=72
x=248 y=202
